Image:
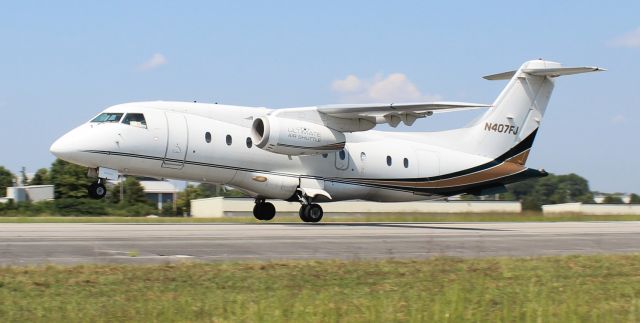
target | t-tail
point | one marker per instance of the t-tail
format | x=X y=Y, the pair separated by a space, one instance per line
x=505 y=133
x=507 y=130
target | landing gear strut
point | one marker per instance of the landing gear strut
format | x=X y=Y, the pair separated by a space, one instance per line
x=264 y=211
x=97 y=190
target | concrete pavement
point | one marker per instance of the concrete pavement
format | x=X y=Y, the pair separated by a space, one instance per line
x=73 y=243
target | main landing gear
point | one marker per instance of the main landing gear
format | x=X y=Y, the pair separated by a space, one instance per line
x=264 y=211
x=97 y=190
x=309 y=212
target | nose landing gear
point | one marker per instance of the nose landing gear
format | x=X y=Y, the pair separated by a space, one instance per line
x=97 y=190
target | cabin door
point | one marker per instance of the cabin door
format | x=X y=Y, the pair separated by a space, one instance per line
x=177 y=141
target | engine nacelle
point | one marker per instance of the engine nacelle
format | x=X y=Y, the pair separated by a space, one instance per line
x=295 y=137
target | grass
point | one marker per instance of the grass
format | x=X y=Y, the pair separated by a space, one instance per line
x=547 y=289
x=424 y=217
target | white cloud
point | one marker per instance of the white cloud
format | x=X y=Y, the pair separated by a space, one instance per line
x=395 y=87
x=156 y=60
x=351 y=83
x=629 y=40
x=618 y=119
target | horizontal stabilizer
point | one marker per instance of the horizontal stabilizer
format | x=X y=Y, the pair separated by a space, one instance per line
x=551 y=72
x=555 y=72
x=500 y=76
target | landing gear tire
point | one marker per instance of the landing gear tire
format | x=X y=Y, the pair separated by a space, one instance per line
x=311 y=213
x=301 y=213
x=264 y=211
x=97 y=191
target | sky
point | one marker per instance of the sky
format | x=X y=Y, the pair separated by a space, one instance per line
x=62 y=62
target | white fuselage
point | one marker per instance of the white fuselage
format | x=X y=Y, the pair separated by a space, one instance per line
x=174 y=145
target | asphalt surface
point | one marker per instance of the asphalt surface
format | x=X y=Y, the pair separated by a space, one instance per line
x=66 y=244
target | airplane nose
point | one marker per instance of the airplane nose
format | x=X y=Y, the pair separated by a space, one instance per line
x=62 y=147
x=75 y=144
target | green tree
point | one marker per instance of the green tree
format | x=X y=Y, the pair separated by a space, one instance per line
x=210 y=190
x=41 y=177
x=468 y=197
x=531 y=203
x=70 y=180
x=576 y=188
x=134 y=201
x=507 y=196
x=213 y=190
x=80 y=207
x=184 y=198
x=612 y=199
x=634 y=199
x=6 y=180
x=552 y=189
x=167 y=210
x=133 y=192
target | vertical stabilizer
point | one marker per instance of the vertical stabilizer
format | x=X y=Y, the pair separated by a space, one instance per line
x=508 y=129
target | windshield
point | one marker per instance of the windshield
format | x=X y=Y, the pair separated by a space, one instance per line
x=135 y=119
x=108 y=117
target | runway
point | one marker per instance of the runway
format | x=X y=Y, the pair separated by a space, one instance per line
x=22 y=244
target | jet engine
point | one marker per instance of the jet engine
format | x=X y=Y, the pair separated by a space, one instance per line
x=295 y=137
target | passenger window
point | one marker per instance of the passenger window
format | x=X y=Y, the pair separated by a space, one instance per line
x=389 y=161
x=342 y=155
x=249 y=142
x=325 y=155
x=135 y=119
x=207 y=137
x=108 y=117
x=406 y=163
x=229 y=140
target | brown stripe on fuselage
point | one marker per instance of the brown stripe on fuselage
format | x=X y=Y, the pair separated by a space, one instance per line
x=493 y=173
x=520 y=158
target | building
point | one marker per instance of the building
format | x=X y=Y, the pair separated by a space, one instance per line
x=599 y=197
x=31 y=193
x=160 y=192
x=592 y=209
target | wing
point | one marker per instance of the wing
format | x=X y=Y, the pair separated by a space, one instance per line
x=362 y=117
x=393 y=113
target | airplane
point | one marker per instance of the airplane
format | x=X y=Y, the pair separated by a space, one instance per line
x=321 y=153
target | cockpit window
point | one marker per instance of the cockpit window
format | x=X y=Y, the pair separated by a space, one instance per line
x=135 y=119
x=108 y=117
